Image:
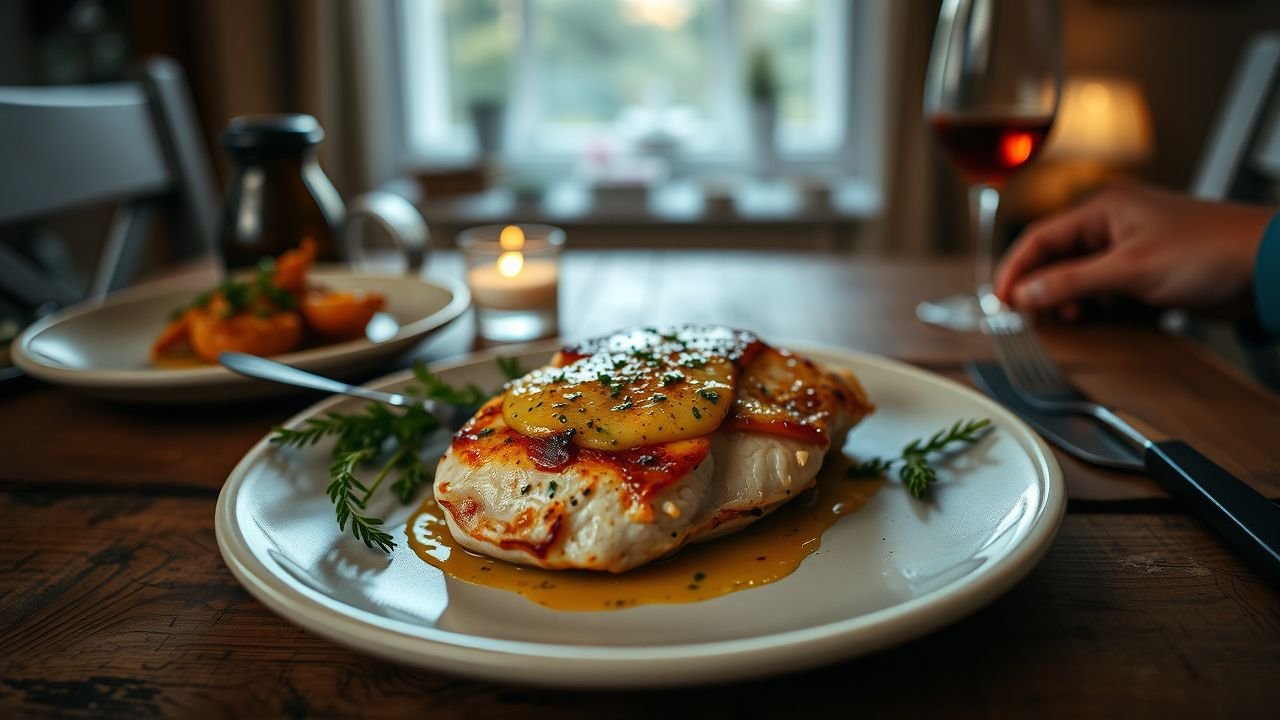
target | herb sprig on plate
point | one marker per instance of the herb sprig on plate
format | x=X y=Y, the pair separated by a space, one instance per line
x=391 y=440
x=916 y=473
x=259 y=294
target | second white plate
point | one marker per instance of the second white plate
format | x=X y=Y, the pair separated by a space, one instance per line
x=103 y=349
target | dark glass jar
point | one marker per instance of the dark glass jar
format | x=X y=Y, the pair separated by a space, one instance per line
x=278 y=195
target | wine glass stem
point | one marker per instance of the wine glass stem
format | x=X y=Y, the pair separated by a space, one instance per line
x=984 y=201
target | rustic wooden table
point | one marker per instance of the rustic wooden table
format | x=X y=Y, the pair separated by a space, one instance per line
x=114 y=600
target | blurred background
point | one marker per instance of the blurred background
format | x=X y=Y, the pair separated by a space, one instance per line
x=689 y=123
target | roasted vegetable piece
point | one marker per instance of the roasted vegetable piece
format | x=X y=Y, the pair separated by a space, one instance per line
x=340 y=313
x=263 y=314
x=269 y=335
x=175 y=339
x=291 y=267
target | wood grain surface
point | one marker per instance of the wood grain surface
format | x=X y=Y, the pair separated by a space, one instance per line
x=115 y=602
x=130 y=611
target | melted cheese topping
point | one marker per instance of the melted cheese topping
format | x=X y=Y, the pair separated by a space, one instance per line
x=644 y=471
x=643 y=403
x=633 y=389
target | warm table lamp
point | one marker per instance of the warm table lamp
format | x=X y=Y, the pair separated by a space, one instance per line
x=1104 y=120
x=1102 y=126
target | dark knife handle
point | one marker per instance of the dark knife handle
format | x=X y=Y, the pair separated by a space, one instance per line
x=1242 y=515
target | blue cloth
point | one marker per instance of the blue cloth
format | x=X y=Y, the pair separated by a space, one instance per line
x=1266 y=278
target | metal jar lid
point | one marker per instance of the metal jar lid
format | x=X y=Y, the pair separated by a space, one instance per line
x=271 y=133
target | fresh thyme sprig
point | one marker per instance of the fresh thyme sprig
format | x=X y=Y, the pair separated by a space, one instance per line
x=342 y=491
x=378 y=433
x=916 y=473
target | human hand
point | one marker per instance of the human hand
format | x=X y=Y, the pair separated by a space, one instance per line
x=1163 y=248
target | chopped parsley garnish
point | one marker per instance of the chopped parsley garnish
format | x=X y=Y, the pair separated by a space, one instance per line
x=525 y=490
x=237 y=295
x=710 y=396
x=671 y=379
x=625 y=405
x=697 y=414
x=203 y=299
x=658 y=397
x=485 y=432
x=552 y=487
x=699 y=577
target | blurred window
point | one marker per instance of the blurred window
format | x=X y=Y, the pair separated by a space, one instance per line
x=577 y=77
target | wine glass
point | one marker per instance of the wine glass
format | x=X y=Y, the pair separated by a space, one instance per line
x=991 y=92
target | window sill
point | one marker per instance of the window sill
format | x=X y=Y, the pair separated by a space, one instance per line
x=678 y=202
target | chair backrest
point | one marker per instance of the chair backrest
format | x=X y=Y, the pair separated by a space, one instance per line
x=137 y=143
x=1241 y=162
x=1242 y=157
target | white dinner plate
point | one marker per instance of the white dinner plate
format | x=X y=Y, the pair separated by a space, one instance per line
x=103 y=348
x=893 y=570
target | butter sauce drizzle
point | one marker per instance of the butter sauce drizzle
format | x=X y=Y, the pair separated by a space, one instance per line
x=762 y=553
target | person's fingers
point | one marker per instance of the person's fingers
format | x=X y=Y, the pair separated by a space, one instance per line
x=1082 y=227
x=1071 y=280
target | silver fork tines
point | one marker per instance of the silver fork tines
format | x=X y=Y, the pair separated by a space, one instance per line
x=1024 y=358
x=1036 y=378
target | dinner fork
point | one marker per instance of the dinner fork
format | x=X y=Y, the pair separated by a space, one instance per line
x=1246 y=518
x=264 y=369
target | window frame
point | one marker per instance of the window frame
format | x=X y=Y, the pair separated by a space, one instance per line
x=859 y=36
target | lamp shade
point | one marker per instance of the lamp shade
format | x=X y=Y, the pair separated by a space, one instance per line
x=1102 y=119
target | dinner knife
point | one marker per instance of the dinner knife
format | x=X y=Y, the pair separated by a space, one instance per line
x=1244 y=517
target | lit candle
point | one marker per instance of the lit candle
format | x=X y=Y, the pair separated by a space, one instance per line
x=514 y=282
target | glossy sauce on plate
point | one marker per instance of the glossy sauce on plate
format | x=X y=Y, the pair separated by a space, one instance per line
x=762 y=553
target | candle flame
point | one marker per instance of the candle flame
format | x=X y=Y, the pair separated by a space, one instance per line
x=511 y=238
x=510 y=263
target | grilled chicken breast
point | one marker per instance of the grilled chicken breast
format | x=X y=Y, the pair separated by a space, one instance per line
x=628 y=447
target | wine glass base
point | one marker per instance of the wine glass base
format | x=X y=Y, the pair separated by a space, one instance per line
x=961 y=313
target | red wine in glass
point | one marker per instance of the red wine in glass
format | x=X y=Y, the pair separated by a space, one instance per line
x=988 y=149
x=991 y=91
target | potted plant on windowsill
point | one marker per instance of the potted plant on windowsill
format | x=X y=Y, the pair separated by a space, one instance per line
x=762 y=89
x=484 y=63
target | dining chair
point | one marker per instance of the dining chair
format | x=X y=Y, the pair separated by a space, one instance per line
x=137 y=144
x=1242 y=158
x=1241 y=162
